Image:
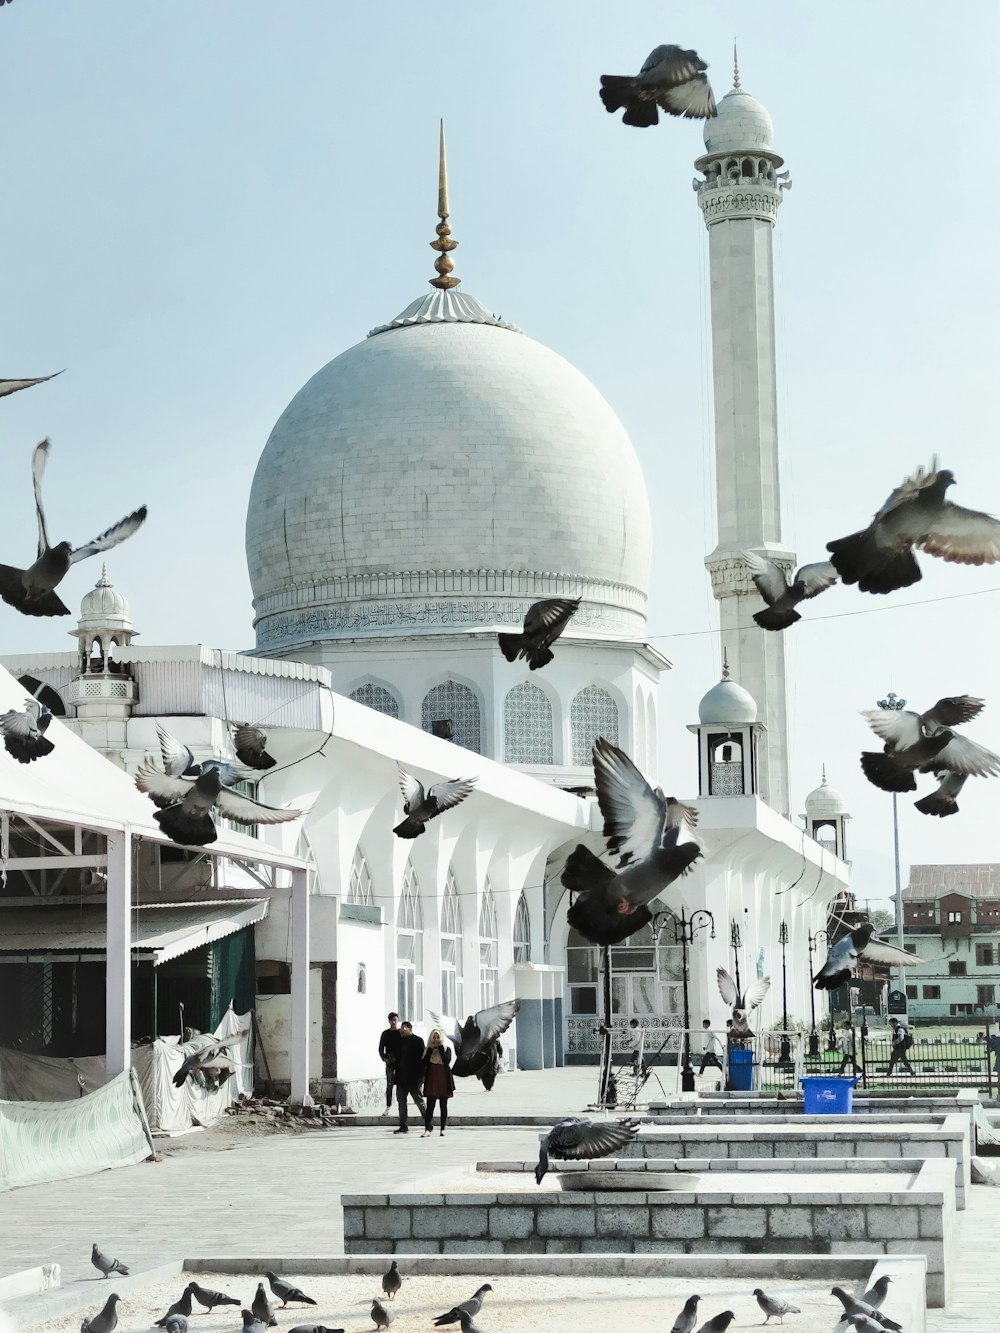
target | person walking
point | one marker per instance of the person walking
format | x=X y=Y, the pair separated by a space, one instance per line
x=408 y=1069
x=711 y=1047
x=439 y=1084
x=848 y=1044
x=388 y=1053
x=901 y=1043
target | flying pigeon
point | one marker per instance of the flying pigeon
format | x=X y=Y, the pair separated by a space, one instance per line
x=543 y=624
x=741 y=1005
x=206 y=1296
x=286 y=1291
x=107 y=1320
x=419 y=807
x=14 y=386
x=688 y=1317
x=181 y=1306
x=880 y=559
x=192 y=1063
x=719 y=1324
x=925 y=741
x=261 y=1307
x=643 y=829
x=471 y=1307
x=31 y=591
x=106 y=1265
x=391 y=1281
x=854 y=947
x=877 y=1292
x=251 y=1324
x=179 y=761
x=186 y=803
x=475 y=1042
x=249 y=743
x=381 y=1315
x=23 y=732
x=574 y=1139
x=671 y=78
x=944 y=801
x=854 y=1307
x=774 y=1306
x=781 y=596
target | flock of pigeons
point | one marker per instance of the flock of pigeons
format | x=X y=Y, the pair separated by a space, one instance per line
x=859 y=1312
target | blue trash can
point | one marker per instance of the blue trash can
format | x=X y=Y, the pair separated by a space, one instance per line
x=828 y=1096
x=740 y=1070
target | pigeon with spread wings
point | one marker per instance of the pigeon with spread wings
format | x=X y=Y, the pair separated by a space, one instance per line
x=574 y=1139
x=420 y=806
x=476 y=1042
x=16 y=385
x=880 y=558
x=543 y=624
x=24 y=732
x=741 y=1005
x=855 y=947
x=32 y=591
x=926 y=742
x=783 y=597
x=188 y=803
x=671 y=78
x=249 y=743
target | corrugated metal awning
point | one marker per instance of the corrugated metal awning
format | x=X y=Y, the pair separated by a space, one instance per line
x=159 y=932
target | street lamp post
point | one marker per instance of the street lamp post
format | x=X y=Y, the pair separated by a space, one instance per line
x=813 y=1034
x=831 y=1041
x=892 y=704
x=784 y=1054
x=735 y=941
x=684 y=932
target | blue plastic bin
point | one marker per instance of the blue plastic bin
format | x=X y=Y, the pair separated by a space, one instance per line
x=740 y=1070
x=828 y=1096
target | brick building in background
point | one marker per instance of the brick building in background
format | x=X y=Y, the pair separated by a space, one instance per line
x=951 y=918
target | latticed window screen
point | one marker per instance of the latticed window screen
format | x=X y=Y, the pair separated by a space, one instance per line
x=451 y=946
x=726 y=775
x=522 y=932
x=377 y=697
x=489 y=949
x=592 y=713
x=455 y=702
x=527 y=725
x=360 y=888
x=409 y=948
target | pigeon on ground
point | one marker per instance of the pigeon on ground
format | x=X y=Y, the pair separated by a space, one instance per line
x=468 y=1323
x=381 y=1315
x=877 y=1292
x=856 y=946
x=261 y=1307
x=925 y=741
x=181 y=1306
x=207 y=1297
x=671 y=78
x=688 y=1317
x=313 y=1328
x=741 y=1005
x=880 y=558
x=99 y=1260
x=774 y=1306
x=419 y=807
x=175 y=1323
x=287 y=1291
x=391 y=1281
x=863 y=1323
x=251 y=1324
x=574 y=1139
x=107 y=1320
x=781 y=596
x=643 y=828
x=944 y=801
x=14 y=386
x=543 y=624
x=249 y=743
x=853 y=1308
x=187 y=803
x=475 y=1043
x=192 y=1063
x=23 y=733
x=719 y=1324
x=471 y=1307
x=31 y=590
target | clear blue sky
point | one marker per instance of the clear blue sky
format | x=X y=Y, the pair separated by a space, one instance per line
x=203 y=203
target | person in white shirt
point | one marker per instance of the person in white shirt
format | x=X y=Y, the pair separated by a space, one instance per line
x=711 y=1047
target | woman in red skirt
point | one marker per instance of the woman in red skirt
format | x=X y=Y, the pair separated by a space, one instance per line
x=439 y=1084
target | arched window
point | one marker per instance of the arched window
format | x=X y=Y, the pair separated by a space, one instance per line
x=645 y=971
x=592 y=713
x=45 y=694
x=455 y=704
x=377 y=697
x=522 y=932
x=409 y=949
x=489 y=949
x=527 y=725
x=639 y=714
x=451 y=948
x=359 y=890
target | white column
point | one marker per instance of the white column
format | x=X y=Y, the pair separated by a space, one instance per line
x=299 y=1041
x=118 y=971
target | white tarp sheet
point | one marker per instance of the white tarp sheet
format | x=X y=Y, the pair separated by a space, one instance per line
x=42 y=1141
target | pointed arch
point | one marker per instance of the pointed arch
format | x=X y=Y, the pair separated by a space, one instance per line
x=527 y=725
x=451 y=947
x=377 y=697
x=409 y=948
x=522 y=931
x=359 y=889
x=453 y=702
x=593 y=712
x=489 y=949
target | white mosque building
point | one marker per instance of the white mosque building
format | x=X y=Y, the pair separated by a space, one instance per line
x=417 y=495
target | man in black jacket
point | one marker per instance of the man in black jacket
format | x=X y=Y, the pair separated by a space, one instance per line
x=409 y=1066
x=388 y=1053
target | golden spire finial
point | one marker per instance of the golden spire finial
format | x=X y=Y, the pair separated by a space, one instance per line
x=736 y=67
x=443 y=265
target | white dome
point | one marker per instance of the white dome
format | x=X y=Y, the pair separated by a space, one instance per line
x=104 y=607
x=741 y=126
x=444 y=459
x=727 y=703
x=825 y=802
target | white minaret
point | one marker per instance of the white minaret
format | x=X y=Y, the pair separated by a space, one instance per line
x=739 y=197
